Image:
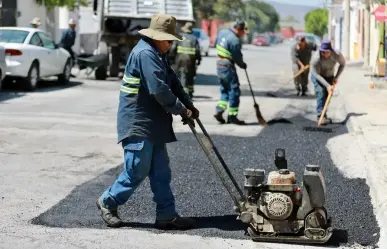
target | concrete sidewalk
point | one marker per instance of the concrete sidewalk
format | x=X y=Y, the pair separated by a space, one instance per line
x=368 y=123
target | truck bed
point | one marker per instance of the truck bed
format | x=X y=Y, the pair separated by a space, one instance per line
x=144 y=9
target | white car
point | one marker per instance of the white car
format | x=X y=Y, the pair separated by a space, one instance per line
x=3 y=65
x=31 y=54
x=204 y=40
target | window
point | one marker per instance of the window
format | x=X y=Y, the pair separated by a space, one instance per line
x=36 y=41
x=47 y=42
x=13 y=36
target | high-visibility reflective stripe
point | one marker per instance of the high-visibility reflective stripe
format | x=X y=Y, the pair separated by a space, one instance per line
x=233 y=111
x=222 y=104
x=186 y=50
x=223 y=52
x=129 y=90
x=131 y=81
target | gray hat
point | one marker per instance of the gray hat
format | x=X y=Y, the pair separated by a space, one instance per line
x=162 y=28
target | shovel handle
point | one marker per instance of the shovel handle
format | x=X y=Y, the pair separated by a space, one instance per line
x=325 y=108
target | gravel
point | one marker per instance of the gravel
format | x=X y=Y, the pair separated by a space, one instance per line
x=199 y=193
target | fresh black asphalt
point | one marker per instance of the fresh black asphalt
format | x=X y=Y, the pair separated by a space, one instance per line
x=200 y=194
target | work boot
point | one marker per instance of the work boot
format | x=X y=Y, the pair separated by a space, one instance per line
x=218 y=116
x=324 y=121
x=304 y=94
x=176 y=223
x=235 y=120
x=109 y=216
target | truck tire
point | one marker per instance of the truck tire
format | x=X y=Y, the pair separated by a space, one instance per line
x=101 y=73
x=115 y=63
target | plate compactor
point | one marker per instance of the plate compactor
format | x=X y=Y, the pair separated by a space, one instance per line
x=278 y=210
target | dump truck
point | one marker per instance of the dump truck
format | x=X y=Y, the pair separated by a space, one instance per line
x=120 y=21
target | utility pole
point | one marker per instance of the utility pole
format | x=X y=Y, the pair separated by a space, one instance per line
x=367 y=16
x=347 y=31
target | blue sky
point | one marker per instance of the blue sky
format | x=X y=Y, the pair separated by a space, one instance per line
x=303 y=2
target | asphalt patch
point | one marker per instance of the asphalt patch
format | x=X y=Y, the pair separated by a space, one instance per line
x=200 y=194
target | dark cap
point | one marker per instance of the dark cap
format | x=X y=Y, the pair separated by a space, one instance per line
x=326 y=46
x=239 y=24
x=242 y=25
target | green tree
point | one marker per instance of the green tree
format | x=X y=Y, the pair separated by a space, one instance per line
x=316 y=22
x=274 y=18
x=228 y=10
x=290 y=19
x=71 y=4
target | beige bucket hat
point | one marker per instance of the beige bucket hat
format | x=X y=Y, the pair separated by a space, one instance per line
x=187 y=28
x=162 y=28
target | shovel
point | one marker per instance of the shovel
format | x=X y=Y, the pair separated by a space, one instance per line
x=318 y=128
x=258 y=113
x=279 y=88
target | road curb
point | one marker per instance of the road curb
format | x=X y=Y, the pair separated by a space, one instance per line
x=373 y=173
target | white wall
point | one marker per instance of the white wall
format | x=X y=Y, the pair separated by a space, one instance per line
x=28 y=10
x=374 y=40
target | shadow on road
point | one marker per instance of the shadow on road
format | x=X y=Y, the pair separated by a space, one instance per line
x=11 y=90
x=200 y=194
x=283 y=94
x=206 y=80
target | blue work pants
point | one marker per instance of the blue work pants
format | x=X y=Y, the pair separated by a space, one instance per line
x=143 y=159
x=321 y=93
x=229 y=88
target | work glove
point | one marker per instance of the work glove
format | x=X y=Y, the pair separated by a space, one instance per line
x=195 y=112
x=187 y=116
x=244 y=66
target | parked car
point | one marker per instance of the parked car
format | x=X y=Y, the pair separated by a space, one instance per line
x=31 y=54
x=204 y=40
x=3 y=65
x=309 y=37
x=261 y=40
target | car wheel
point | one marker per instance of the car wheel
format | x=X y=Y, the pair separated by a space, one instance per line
x=64 y=78
x=31 y=81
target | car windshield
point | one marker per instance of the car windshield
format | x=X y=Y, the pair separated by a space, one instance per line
x=309 y=38
x=13 y=36
x=196 y=33
x=199 y=34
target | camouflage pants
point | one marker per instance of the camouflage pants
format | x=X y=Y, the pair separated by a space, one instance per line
x=302 y=80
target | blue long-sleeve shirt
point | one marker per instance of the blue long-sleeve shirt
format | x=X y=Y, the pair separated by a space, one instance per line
x=68 y=38
x=150 y=94
x=228 y=45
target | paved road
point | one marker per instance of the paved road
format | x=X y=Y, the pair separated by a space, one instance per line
x=59 y=152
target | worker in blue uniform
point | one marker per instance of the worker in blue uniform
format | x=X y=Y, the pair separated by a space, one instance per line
x=188 y=57
x=228 y=47
x=150 y=94
x=68 y=38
